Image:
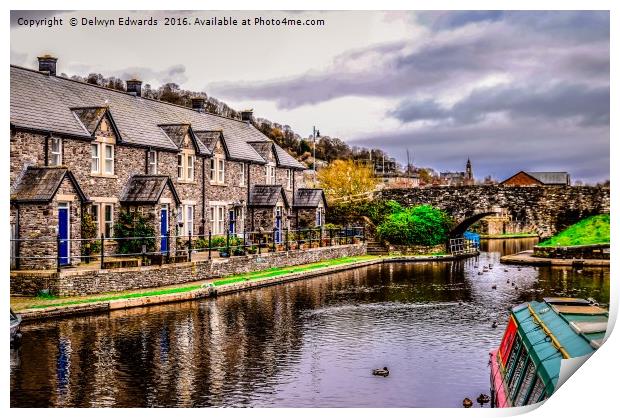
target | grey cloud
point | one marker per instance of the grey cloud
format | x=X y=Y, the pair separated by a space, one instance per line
x=18 y=58
x=404 y=68
x=502 y=150
x=173 y=74
x=586 y=25
x=590 y=105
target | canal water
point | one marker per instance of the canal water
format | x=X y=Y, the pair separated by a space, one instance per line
x=310 y=343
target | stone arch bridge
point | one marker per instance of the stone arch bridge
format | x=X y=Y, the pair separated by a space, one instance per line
x=543 y=210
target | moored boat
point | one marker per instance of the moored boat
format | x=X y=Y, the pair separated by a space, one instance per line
x=526 y=366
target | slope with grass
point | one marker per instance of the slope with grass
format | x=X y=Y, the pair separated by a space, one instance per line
x=588 y=231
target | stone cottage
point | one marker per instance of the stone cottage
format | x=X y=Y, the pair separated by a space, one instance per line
x=83 y=151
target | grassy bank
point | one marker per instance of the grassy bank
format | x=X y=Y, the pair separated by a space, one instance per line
x=47 y=301
x=592 y=230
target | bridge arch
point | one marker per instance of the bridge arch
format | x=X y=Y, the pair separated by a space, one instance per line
x=460 y=228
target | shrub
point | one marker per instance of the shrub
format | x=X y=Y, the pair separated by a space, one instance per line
x=134 y=224
x=89 y=232
x=419 y=225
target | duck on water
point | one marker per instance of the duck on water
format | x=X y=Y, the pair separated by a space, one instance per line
x=381 y=372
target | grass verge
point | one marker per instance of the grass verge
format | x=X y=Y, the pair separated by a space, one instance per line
x=262 y=274
x=589 y=231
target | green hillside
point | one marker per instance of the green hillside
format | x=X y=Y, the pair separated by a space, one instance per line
x=592 y=230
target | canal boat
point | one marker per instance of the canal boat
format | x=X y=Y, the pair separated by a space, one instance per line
x=539 y=335
x=15 y=322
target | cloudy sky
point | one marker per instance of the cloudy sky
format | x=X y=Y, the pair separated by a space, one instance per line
x=511 y=90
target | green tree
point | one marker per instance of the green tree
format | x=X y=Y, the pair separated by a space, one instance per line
x=418 y=225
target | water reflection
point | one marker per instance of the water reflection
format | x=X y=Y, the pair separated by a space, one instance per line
x=309 y=343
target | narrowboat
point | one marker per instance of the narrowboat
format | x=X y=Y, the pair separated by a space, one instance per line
x=539 y=335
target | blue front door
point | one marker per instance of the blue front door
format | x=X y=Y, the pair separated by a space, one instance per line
x=231 y=221
x=278 y=236
x=164 y=228
x=63 y=233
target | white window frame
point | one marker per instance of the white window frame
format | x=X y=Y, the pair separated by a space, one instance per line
x=105 y=223
x=221 y=170
x=242 y=177
x=56 y=154
x=152 y=162
x=270 y=173
x=180 y=166
x=107 y=159
x=190 y=167
x=189 y=220
x=221 y=219
x=289 y=179
x=212 y=170
x=95 y=159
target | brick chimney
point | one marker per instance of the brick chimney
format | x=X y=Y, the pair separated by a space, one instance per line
x=134 y=86
x=246 y=115
x=198 y=104
x=47 y=63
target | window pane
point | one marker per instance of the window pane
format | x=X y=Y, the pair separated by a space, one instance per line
x=109 y=159
x=94 y=152
x=190 y=167
x=179 y=166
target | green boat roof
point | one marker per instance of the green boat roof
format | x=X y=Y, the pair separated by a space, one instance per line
x=568 y=327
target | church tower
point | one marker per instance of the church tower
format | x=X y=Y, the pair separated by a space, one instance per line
x=469 y=173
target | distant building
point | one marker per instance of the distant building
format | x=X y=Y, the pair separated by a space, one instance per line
x=458 y=178
x=538 y=178
x=398 y=180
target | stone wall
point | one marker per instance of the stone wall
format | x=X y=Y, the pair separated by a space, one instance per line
x=416 y=249
x=83 y=282
x=598 y=251
x=540 y=209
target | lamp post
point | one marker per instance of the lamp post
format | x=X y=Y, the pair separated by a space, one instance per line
x=315 y=134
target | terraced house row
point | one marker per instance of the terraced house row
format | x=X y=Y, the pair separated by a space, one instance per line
x=79 y=149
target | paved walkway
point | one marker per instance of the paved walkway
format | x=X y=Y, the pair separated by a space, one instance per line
x=527 y=257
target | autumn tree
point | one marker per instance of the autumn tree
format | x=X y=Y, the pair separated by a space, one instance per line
x=346 y=178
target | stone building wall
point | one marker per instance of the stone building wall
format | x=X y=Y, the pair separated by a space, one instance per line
x=73 y=283
x=539 y=209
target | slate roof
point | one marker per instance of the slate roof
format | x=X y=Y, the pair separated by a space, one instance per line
x=550 y=177
x=287 y=160
x=147 y=189
x=266 y=195
x=42 y=102
x=263 y=148
x=40 y=184
x=309 y=198
x=90 y=117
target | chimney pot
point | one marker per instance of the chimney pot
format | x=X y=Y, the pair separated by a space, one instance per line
x=198 y=104
x=47 y=63
x=247 y=115
x=134 y=86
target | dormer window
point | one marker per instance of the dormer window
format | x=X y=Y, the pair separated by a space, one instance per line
x=152 y=162
x=56 y=152
x=270 y=174
x=185 y=165
x=216 y=174
x=102 y=157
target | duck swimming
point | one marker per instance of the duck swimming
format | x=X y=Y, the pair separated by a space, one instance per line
x=482 y=399
x=467 y=403
x=381 y=372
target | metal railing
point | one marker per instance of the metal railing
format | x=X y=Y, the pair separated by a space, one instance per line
x=114 y=252
x=462 y=246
